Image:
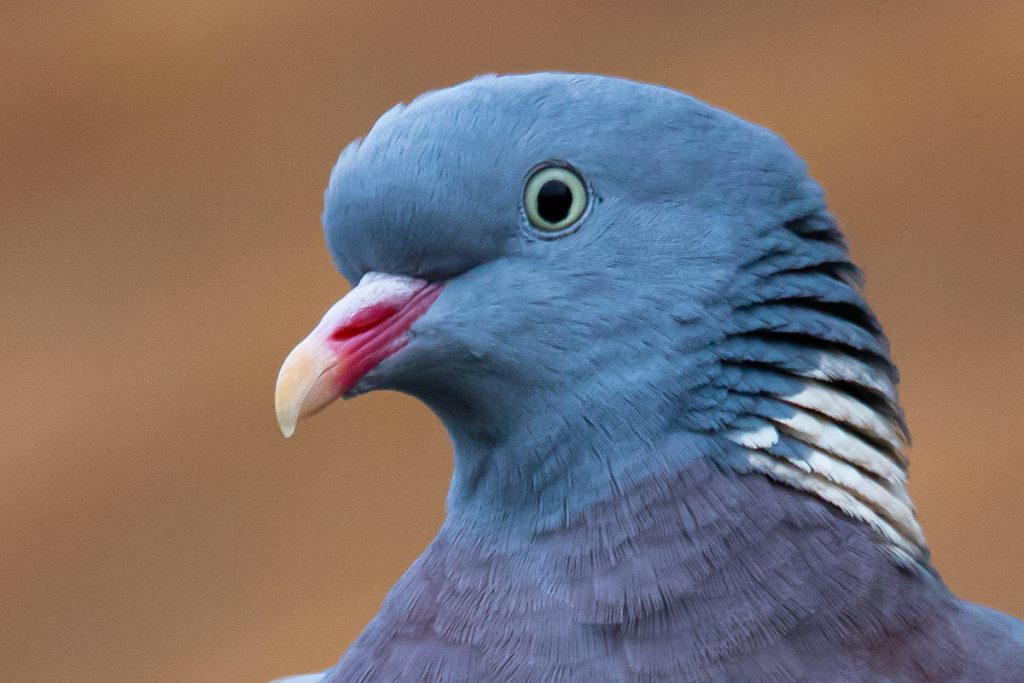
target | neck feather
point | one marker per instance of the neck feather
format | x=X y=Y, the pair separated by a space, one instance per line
x=811 y=388
x=786 y=373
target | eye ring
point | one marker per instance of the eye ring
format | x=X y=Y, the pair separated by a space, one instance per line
x=555 y=198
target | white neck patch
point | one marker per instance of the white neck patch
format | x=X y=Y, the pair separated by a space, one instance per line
x=833 y=446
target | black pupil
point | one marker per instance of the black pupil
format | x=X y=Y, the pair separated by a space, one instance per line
x=554 y=201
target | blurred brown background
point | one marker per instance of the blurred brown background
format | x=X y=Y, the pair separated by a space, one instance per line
x=161 y=177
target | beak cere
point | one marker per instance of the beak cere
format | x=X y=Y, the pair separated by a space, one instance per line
x=369 y=324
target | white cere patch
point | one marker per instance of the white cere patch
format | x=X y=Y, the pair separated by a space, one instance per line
x=850 y=456
x=373 y=288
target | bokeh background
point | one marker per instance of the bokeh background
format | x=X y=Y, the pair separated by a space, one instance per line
x=161 y=174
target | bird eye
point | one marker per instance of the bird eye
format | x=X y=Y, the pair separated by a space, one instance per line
x=555 y=198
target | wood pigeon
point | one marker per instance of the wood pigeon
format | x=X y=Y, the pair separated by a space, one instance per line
x=678 y=448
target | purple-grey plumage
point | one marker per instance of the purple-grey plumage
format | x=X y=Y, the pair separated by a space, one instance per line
x=709 y=575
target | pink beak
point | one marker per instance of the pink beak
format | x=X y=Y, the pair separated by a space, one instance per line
x=369 y=324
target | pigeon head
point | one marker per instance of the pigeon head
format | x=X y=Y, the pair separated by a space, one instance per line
x=566 y=267
x=571 y=223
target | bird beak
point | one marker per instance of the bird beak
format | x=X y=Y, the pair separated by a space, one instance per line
x=369 y=324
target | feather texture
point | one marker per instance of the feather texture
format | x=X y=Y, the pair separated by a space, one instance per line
x=658 y=585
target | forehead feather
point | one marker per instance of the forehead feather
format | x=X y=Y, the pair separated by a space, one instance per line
x=450 y=165
x=638 y=130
